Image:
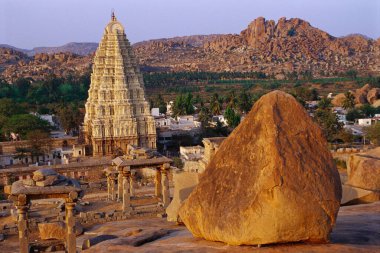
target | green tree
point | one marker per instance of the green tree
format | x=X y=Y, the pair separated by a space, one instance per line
x=353 y=114
x=373 y=133
x=329 y=123
x=349 y=100
x=244 y=102
x=22 y=86
x=39 y=143
x=368 y=111
x=216 y=103
x=233 y=119
x=325 y=104
x=183 y=105
x=327 y=119
x=9 y=107
x=159 y=102
x=22 y=124
x=70 y=117
x=204 y=115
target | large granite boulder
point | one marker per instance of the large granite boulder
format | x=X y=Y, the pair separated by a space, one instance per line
x=361 y=94
x=272 y=180
x=363 y=170
x=373 y=95
x=338 y=99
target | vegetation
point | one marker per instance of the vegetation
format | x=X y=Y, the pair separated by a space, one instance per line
x=24 y=125
x=373 y=133
x=327 y=120
x=349 y=100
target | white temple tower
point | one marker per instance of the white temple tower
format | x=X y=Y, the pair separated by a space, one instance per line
x=117 y=113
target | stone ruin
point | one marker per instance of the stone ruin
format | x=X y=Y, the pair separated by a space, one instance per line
x=46 y=183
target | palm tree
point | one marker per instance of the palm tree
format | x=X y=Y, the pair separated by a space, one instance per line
x=216 y=104
x=349 y=100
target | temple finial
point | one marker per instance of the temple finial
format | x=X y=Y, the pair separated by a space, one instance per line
x=113 y=18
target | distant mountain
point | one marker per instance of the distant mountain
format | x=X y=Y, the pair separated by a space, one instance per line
x=275 y=48
x=83 y=48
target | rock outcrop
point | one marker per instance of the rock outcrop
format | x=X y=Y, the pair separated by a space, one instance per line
x=338 y=99
x=361 y=94
x=363 y=170
x=272 y=180
x=373 y=95
x=290 y=45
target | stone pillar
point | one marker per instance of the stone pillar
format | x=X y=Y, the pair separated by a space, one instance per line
x=131 y=188
x=22 y=223
x=126 y=193
x=158 y=187
x=120 y=185
x=108 y=187
x=113 y=190
x=165 y=188
x=70 y=222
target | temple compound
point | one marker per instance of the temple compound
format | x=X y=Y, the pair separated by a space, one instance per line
x=117 y=113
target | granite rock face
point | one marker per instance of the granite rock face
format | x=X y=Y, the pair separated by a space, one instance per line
x=272 y=180
x=364 y=170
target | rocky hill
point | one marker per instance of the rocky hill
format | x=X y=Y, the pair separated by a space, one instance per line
x=83 y=48
x=290 y=45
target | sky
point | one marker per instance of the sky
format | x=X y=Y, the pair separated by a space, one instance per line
x=32 y=23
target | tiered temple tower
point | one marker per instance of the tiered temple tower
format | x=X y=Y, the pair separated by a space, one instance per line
x=117 y=113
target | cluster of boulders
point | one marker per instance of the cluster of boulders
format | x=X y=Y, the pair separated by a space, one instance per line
x=363 y=95
x=279 y=185
x=46 y=177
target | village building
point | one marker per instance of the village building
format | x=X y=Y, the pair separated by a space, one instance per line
x=117 y=113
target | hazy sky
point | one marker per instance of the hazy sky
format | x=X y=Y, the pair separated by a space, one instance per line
x=32 y=23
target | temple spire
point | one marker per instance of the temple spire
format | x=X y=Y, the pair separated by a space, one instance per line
x=113 y=18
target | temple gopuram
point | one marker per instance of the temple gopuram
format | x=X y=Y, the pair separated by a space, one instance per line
x=117 y=113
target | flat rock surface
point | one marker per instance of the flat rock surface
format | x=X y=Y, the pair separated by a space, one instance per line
x=357 y=230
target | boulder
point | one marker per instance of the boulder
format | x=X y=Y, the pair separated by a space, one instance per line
x=373 y=95
x=273 y=180
x=338 y=99
x=363 y=170
x=41 y=174
x=376 y=103
x=184 y=183
x=361 y=94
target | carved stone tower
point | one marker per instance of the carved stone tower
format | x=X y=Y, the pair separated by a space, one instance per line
x=117 y=113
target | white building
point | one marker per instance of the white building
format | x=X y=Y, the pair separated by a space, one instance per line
x=219 y=118
x=368 y=121
x=155 y=112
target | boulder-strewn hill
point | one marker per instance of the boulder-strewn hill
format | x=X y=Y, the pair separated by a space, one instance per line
x=290 y=45
x=82 y=48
